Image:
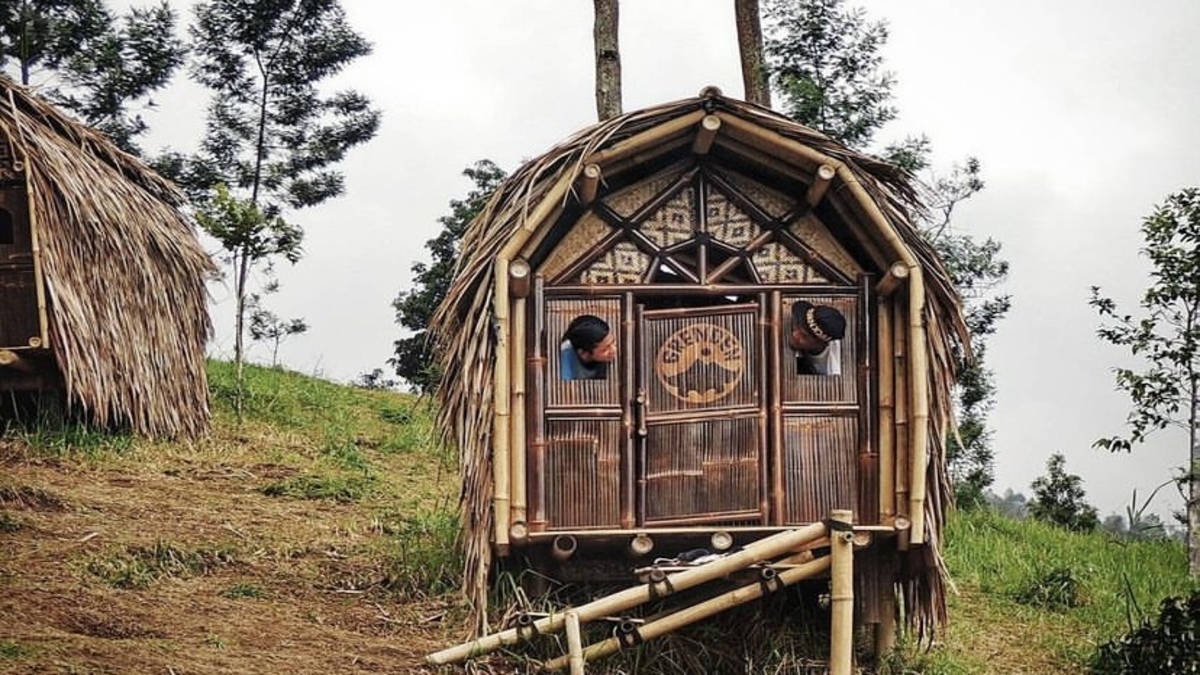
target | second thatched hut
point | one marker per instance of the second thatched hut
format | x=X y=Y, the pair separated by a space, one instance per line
x=102 y=278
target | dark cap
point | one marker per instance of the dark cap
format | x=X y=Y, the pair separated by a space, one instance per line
x=824 y=323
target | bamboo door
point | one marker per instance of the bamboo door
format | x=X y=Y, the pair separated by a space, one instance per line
x=701 y=416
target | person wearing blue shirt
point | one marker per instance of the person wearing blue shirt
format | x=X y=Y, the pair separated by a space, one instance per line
x=587 y=348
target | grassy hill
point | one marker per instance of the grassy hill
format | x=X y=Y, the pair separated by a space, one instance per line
x=316 y=536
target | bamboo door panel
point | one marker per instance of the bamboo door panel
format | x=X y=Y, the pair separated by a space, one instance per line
x=703 y=470
x=702 y=415
x=824 y=389
x=582 y=473
x=819 y=464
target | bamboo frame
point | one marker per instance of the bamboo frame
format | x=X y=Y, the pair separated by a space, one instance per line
x=774 y=143
x=39 y=281
x=775 y=331
x=648 y=138
x=629 y=508
x=574 y=643
x=758 y=551
x=535 y=461
x=919 y=381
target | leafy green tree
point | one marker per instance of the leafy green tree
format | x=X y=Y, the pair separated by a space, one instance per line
x=273 y=134
x=1166 y=392
x=825 y=64
x=413 y=358
x=92 y=61
x=1059 y=498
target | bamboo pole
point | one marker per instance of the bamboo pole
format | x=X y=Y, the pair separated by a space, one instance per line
x=841 y=620
x=776 y=143
x=819 y=185
x=500 y=415
x=901 y=394
x=919 y=360
x=706 y=135
x=776 y=329
x=574 y=642
x=650 y=137
x=702 y=610
x=11 y=359
x=759 y=551
x=517 y=449
x=628 y=415
x=35 y=244
x=535 y=462
x=887 y=415
x=885 y=630
x=589 y=184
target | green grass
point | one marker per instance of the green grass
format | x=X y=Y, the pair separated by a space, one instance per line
x=243 y=592
x=140 y=566
x=11 y=650
x=1048 y=589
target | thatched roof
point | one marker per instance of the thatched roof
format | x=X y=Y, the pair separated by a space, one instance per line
x=124 y=273
x=465 y=329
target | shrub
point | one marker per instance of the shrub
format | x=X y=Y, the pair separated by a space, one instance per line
x=1057 y=589
x=1169 y=645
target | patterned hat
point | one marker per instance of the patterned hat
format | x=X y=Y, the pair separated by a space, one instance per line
x=824 y=323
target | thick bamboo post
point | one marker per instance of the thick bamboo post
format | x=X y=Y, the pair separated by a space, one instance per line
x=535 y=462
x=517 y=418
x=35 y=241
x=759 y=551
x=574 y=642
x=887 y=415
x=775 y=330
x=841 y=628
x=502 y=484
x=885 y=630
x=706 y=135
x=775 y=143
x=900 y=392
x=702 y=610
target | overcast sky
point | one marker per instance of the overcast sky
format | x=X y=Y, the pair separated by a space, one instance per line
x=1082 y=112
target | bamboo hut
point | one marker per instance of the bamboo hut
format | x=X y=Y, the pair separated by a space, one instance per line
x=692 y=228
x=101 y=275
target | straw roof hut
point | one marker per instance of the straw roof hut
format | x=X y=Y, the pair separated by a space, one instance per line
x=103 y=278
x=546 y=196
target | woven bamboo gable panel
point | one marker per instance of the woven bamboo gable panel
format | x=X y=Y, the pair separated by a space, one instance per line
x=812 y=232
x=621 y=264
x=580 y=241
x=673 y=223
x=728 y=224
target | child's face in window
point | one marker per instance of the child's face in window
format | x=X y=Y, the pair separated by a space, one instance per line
x=802 y=340
x=605 y=352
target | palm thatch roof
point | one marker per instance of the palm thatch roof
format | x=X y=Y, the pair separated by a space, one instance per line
x=124 y=273
x=534 y=195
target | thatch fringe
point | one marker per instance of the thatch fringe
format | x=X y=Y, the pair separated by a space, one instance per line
x=466 y=337
x=124 y=272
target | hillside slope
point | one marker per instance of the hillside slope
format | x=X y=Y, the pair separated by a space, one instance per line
x=317 y=536
x=287 y=544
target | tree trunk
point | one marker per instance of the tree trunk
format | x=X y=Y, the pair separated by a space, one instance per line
x=608 y=59
x=750 y=46
x=1193 y=478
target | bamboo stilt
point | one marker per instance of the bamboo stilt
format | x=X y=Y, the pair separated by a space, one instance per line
x=703 y=610
x=574 y=642
x=758 y=551
x=885 y=630
x=841 y=628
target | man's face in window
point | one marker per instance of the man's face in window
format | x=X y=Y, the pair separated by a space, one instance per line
x=604 y=352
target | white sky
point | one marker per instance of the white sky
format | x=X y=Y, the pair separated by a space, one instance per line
x=1081 y=112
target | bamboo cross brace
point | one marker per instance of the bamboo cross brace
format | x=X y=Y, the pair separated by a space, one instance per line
x=758 y=551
